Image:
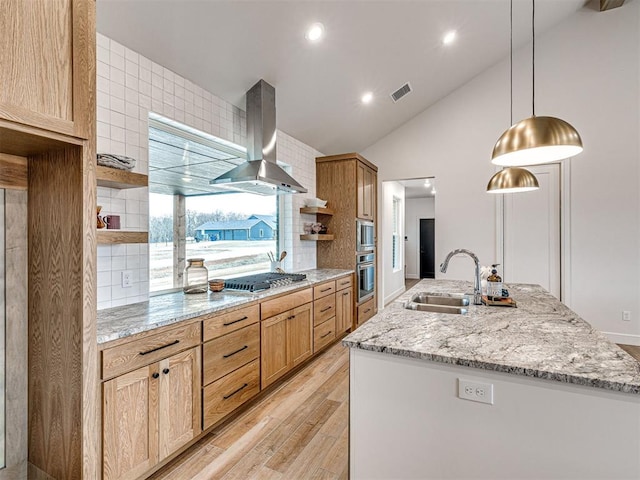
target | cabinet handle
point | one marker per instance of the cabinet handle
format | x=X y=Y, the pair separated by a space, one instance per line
x=326 y=334
x=237 y=351
x=226 y=397
x=345 y=294
x=165 y=371
x=235 y=321
x=325 y=290
x=367 y=310
x=155 y=374
x=160 y=348
x=291 y=317
x=325 y=309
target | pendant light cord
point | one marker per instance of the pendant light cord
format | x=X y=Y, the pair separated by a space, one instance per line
x=511 y=60
x=533 y=58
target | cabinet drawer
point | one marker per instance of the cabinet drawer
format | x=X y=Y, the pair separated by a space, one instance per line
x=343 y=283
x=366 y=311
x=278 y=305
x=220 y=324
x=324 y=334
x=324 y=309
x=229 y=352
x=149 y=349
x=225 y=395
x=324 y=289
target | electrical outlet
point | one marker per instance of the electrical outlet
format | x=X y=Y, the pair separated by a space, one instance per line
x=626 y=315
x=127 y=280
x=475 y=391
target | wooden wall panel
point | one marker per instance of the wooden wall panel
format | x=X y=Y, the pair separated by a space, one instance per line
x=13 y=172
x=331 y=179
x=63 y=370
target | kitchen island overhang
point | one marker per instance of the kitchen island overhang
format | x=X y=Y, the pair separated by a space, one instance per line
x=566 y=400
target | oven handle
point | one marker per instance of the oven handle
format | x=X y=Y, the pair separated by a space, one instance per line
x=362 y=266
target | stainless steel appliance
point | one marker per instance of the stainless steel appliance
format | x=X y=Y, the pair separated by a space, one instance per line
x=366 y=275
x=365 y=236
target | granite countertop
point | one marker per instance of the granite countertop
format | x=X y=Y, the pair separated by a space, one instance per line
x=162 y=310
x=541 y=338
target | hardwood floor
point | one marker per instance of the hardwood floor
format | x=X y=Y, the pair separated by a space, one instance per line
x=631 y=350
x=297 y=431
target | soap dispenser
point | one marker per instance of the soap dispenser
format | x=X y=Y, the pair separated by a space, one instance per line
x=494 y=283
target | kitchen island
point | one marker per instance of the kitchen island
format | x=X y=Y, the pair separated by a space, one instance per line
x=562 y=401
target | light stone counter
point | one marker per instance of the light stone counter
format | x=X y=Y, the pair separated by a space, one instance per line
x=541 y=338
x=162 y=310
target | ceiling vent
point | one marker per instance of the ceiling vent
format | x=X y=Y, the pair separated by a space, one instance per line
x=401 y=92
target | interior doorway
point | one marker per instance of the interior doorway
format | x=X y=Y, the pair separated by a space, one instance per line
x=419 y=215
x=427 y=242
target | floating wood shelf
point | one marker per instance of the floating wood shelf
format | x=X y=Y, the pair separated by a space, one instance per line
x=316 y=210
x=114 y=178
x=106 y=237
x=317 y=237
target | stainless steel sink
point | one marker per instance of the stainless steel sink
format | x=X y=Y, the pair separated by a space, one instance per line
x=439 y=299
x=426 y=307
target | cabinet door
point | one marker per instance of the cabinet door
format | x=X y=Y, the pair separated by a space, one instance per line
x=300 y=334
x=130 y=419
x=365 y=179
x=344 y=310
x=360 y=188
x=179 y=405
x=45 y=71
x=274 y=348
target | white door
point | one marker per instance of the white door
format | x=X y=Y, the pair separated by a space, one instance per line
x=532 y=232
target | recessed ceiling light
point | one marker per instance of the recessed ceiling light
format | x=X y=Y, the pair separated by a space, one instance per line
x=449 y=37
x=314 y=33
x=427 y=183
x=367 y=97
x=186 y=179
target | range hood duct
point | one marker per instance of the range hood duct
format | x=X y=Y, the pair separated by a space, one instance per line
x=261 y=174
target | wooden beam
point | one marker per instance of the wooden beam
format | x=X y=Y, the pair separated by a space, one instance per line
x=13 y=172
x=609 y=4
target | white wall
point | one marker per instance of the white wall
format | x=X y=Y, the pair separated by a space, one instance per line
x=392 y=282
x=129 y=87
x=415 y=209
x=587 y=72
x=407 y=422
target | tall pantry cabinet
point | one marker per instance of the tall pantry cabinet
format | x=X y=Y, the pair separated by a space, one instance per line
x=349 y=183
x=47 y=146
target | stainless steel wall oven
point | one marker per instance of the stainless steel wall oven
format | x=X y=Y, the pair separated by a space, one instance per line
x=365 y=275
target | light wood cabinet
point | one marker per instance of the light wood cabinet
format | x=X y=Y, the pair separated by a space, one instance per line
x=344 y=310
x=349 y=181
x=130 y=419
x=47 y=65
x=150 y=413
x=366 y=180
x=366 y=310
x=287 y=341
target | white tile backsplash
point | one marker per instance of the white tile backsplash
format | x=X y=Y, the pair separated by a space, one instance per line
x=129 y=87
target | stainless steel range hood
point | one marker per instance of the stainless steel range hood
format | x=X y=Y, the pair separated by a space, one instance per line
x=261 y=174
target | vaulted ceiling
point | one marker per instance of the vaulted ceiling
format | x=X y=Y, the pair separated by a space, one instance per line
x=377 y=46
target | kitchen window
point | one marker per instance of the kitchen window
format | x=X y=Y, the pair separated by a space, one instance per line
x=188 y=218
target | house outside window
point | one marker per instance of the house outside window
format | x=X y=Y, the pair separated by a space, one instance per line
x=188 y=218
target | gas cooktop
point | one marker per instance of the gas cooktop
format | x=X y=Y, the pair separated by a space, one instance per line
x=262 y=281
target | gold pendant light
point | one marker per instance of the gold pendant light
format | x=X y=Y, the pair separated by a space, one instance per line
x=512 y=179
x=536 y=140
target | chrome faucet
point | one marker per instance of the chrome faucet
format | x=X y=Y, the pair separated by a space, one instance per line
x=477 y=293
